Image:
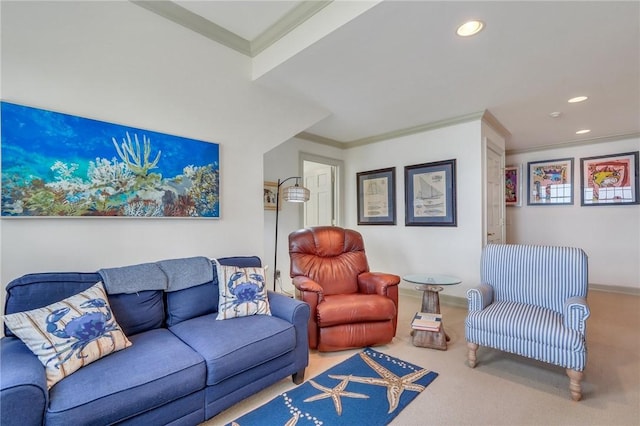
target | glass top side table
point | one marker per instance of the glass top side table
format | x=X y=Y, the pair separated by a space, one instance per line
x=431 y=285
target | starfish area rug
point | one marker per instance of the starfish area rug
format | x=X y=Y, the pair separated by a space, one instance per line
x=370 y=388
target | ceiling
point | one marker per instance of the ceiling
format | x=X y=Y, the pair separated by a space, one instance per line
x=399 y=67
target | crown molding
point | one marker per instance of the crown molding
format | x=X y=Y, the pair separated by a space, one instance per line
x=297 y=16
x=197 y=23
x=213 y=31
x=492 y=121
x=581 y=142
x=320 y=139
x=390 y=135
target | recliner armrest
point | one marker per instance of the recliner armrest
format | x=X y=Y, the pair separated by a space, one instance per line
x=376 y=282
x=575 y=313
x=23 y=384
x=480 y=297
x=306 y=284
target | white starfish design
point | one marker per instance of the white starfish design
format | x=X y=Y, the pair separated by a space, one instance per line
x=395 y=384
x=335 y=393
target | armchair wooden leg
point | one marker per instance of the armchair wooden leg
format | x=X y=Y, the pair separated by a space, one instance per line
x=471 y=353
x=574 y=384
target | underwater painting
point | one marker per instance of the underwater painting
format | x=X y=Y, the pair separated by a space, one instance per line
x=59 y=165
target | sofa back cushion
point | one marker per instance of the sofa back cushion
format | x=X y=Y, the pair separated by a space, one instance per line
x=135 y=312
x=201 y=300
x=544 y=276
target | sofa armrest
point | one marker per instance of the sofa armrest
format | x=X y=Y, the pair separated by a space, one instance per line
x=23 y=384
x=480 y=297
x=297 y=313
x=288 y=309
x=377 y=282
x=575 y=313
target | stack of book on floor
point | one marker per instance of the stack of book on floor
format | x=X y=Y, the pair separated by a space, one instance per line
x=426 y=321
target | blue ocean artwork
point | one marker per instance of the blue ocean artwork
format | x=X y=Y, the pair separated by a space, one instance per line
x=56 y=165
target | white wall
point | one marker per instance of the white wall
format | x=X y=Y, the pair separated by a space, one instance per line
x=404 y=249
x=281 y=163
x=610 y=235
x=116 y=62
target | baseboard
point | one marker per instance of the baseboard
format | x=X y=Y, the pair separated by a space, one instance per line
x=461 y=302
x=631 y=291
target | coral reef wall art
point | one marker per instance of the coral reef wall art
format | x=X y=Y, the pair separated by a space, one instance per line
x=59 y=165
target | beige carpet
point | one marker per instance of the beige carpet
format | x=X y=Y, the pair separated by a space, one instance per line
x=505 y=389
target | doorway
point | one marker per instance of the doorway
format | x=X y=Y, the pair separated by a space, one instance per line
x=322 y=177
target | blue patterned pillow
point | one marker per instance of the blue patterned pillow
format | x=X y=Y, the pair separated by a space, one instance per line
x=242 y=292
x=70 y=334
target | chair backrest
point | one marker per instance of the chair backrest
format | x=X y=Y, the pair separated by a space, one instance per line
x=539 y=275
x=331 y=256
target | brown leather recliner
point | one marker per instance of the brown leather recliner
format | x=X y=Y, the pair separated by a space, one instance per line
x=350 y=306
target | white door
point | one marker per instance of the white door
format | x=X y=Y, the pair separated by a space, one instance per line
x=319 y=210
x=495 y=198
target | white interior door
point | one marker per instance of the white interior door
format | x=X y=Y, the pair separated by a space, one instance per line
x=495 y=197
x=319 y=210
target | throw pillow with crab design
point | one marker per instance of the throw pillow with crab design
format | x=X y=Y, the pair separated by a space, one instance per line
x=67 y=335
x=242 y=292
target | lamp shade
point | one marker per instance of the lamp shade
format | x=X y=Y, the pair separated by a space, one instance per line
x=296 y=194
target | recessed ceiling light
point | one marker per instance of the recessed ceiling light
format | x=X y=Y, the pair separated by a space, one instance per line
x=470 y=28
x=577 y=99
x=582 y=132
x=555 y=114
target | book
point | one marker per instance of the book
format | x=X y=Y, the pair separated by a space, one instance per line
x=426 y=321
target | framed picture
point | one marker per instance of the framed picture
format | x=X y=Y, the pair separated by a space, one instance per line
x=270 y=190
x=430 y=194
x=377 y=197
x=609 y=179
x=550 y=182
x=513 y=186
x=61 y=165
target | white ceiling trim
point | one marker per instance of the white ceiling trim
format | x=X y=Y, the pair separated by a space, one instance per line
x=215 y=32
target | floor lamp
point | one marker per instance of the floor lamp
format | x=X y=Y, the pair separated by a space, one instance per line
x=293 y=194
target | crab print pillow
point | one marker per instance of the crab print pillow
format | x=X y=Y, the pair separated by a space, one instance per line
x=70 y=334
x=242 y=292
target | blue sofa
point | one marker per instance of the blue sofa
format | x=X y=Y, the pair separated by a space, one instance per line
x=182 y=368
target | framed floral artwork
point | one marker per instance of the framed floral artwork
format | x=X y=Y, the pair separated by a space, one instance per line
x=550 y=182
x=269 y=195
x=513 y=185
x=609 y=179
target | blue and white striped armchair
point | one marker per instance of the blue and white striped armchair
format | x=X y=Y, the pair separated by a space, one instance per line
x=532 y=301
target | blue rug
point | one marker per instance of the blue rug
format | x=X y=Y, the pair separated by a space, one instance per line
x=370 y=388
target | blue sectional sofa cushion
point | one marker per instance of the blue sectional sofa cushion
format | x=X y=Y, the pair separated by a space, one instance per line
x=138 y=312
x=160 y=369
x=247 y=343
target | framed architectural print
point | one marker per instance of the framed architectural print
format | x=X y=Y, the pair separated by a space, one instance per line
x=377 y=197
x=513 y=185
x=430 y=194
x=609 y=179
x=550 y=182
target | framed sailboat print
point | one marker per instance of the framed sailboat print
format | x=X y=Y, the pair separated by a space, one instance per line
x=430 y=194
